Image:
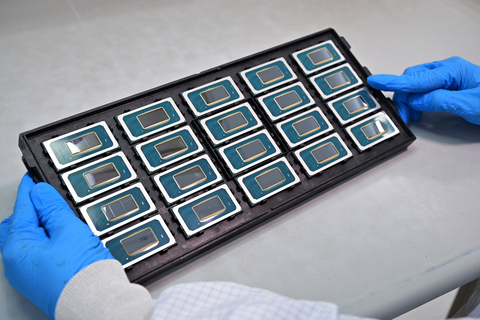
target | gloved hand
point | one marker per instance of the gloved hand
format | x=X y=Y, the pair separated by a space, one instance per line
x=43 y=244
x=451 y=85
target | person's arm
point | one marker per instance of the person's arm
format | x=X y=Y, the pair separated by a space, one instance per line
x=451 y=85
x=232 y=301
x=102 y=291
x=55 y=260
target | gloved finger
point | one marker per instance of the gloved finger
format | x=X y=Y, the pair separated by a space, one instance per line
x=403 y=109
x=24 y=215
x=453 y=73
x=399 y=99
x=415 y=115
x=4 y=226
x=462 y=103
x=421 y=81
x=380 y=81
x=53 y=211
x=421 y=67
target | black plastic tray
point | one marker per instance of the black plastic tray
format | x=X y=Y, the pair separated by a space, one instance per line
x=41 y=168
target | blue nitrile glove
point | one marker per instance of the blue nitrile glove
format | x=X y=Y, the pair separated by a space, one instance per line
x=451 y=85
x=43 y=244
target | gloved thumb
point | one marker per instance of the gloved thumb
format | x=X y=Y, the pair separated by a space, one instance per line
x=53 y=211
x=465 y=103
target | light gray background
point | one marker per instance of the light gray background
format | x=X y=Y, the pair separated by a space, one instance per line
x=399 y=235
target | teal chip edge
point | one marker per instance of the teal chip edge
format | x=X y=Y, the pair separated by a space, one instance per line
x=159 y=228
x=187 y=218
x=301 y=57
x=95 y=207
x=309 y=163
x=80 y=195
x=361 y=142
x=325 y=91
x=252 y=189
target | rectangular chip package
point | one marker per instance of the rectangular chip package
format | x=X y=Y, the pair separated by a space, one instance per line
x=203 y=211
x=99 y=176
x=249 y=151
x=318 y=57
x=188 y=178
x=353 y=106
x=212 y=96
x=268 y=180
x=286 y=101
x=231 y=123
x=268 y=75
x=372 y=131
x=140 y=241
x=323 y=154
x=150 y=119
x=335 y=81
x=117 y=209
x=304 y=127
x=80 y=145
x=168 y=148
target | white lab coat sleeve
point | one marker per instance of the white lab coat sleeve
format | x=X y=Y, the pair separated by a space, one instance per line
x=471 y=308
x=230 y=301
x=102 y=291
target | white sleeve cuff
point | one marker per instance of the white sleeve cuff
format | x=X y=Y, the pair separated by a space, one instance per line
x=102 y=291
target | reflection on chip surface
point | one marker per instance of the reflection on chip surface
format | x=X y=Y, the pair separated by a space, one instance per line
x=101 y=175
x=84 y=143
x=209 y=208
x=139 y=241
x=325 y=153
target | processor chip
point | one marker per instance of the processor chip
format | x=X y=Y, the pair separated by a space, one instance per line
x=268 y=75
x=206 y=210
x=168 y=148
x=323 y=154
x=372 y=130
x=140 y=241
x=188 y=178
x=267 y=181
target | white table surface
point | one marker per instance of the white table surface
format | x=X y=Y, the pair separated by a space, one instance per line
x=378 y=245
